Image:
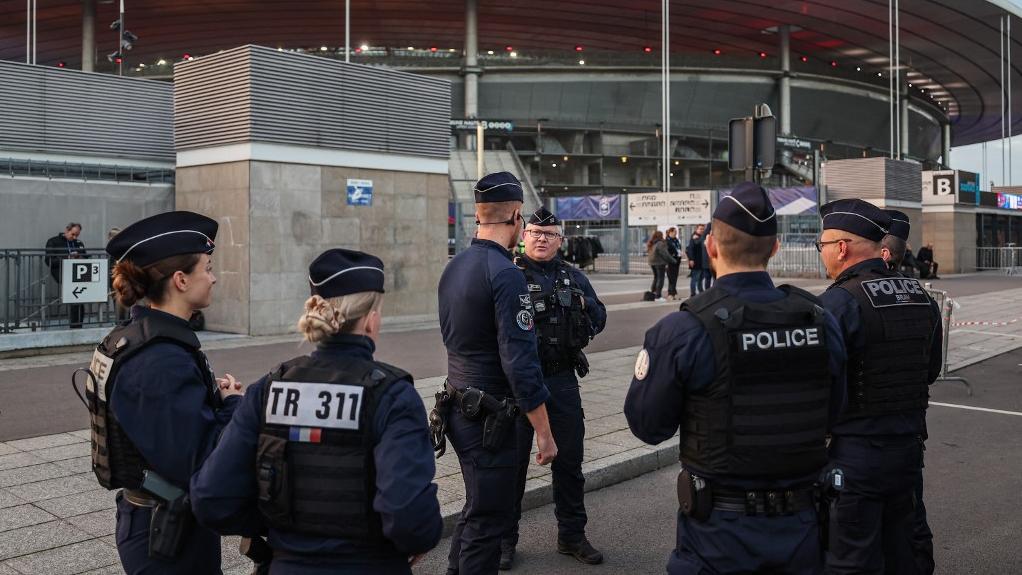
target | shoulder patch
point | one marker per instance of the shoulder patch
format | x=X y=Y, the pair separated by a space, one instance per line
x=642 y=365
x=525 y=299
x=887 y=292
x=524 y=319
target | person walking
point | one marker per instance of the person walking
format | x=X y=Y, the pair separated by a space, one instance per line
x=674 y=247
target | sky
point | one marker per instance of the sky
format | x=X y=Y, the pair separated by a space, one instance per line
x=970 y=158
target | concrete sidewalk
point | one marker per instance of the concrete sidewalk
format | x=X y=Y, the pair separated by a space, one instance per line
x=56 y=520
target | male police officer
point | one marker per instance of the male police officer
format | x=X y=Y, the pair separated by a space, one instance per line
x=567 y=315
x=892 y=330
x=492 y=363
x=892 y=247
x=752 y=374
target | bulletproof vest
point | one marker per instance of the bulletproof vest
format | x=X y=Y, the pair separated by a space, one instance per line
x=115 y=459
x=563 y=328
x=315 y=468
x=890 y=374
x=765 y=415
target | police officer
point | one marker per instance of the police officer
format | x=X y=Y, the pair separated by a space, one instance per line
x=892 y=330
x=753 y=375
x=488 y=330
x=567 y=315
x=329 y=452
x=892 y=247
x=155 y=406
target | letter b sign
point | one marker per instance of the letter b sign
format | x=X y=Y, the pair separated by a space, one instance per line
x=943 y=185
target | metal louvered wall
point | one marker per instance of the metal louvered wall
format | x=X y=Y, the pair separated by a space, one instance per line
x=257 y=94
x=874 y=179
x=61 y=111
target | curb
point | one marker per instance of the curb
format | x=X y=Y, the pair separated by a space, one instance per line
x=600 y=473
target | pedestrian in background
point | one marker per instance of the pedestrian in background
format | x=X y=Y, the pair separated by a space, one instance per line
x=60 y=247
x=658 y=258
x=694 y=252
x=674 y=247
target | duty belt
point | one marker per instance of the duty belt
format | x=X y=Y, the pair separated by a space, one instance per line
x=764 y=502
x=138 y=498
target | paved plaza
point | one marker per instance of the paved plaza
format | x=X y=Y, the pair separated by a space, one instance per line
x=56 y=520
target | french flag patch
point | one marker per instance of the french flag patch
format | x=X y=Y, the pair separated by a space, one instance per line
x=306 y=434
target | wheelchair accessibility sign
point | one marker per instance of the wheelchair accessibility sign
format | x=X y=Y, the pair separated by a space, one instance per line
x=84 y=281
x=360 y=192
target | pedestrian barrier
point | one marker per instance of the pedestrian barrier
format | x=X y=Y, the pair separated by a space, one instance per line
x=947 y=307
x=30 y=295
x=1008 y=259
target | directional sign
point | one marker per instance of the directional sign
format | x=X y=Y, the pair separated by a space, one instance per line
x=83 y=281
x=360 y=192
x=669 y=208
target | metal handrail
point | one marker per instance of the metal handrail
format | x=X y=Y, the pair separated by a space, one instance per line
x=530 y=189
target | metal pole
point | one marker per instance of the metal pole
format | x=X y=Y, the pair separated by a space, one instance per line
x=785 y=31
x=1004 y=179
x=1007 y=42
x=28 y=31
x=471 y=69
x=88 y=35
x=120 y=36
x=347 y=30
x=459 y=223
x=623 y=264
x=897 y=70
x=890 y=74
x=479 y=151
x=665 y=63
x=35 y=22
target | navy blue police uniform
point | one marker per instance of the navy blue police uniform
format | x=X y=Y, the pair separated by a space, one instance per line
x=753 y=375
x=155 y=408
x=328 y=455
x=488 y=330
x=892 y=330
x=567 y=315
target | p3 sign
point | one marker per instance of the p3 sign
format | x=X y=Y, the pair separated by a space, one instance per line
x=84 y=281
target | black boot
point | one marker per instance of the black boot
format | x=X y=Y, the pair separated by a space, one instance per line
x=582 y=550
x=507 y=556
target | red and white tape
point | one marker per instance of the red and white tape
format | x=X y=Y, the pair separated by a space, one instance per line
x=988 y=323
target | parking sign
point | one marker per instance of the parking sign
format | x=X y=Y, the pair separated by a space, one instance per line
x=83 y=281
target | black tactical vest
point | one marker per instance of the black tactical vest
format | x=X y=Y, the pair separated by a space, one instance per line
x=891 y=373
x=563 y=328
x=314 y=462
x=766 y=414
x=115 y=459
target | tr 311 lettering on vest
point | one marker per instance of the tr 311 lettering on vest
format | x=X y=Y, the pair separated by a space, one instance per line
x=294 y=403
x=780 y=338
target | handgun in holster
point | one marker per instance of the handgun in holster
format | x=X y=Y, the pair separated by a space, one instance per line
x=259 y=551
x=499 y=414
x=172 y=518
x=438 y=420
x=828 y=491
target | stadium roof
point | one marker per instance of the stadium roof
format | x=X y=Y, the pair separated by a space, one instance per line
x=950 y=48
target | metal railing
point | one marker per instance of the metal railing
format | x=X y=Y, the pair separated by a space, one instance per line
x=30 y=294
x=13 y=167
x=947 y=307
x=1008 y=259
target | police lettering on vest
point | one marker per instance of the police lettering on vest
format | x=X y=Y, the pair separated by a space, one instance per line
x=778 y=339
x=895 y=291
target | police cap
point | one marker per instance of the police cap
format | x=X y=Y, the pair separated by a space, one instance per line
x=498 y=187
x=340 y=272
x=544 y=217
x=856 y=216
x=900 y=224
x=164 y=235
x=748 y=209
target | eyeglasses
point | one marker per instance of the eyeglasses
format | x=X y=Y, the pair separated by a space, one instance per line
x=548 y=236
x=819 y=245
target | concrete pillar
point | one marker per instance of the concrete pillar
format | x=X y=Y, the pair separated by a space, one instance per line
x=903 y=130
x=88 y=35
x=945 y=143
x=471 y=68
x=785 y=80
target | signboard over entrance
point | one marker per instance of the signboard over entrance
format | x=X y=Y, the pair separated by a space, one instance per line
x=669 y=208
x=83 y=281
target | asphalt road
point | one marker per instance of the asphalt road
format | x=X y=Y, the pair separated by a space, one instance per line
x=971 y=492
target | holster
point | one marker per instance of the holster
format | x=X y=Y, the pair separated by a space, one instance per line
x=259 y=551
x=828 y=491
x=499 y=414
x=695 y=498
x=438 y=420
x=171 y=523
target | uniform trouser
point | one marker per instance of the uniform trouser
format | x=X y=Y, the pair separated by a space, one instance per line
x=732 y=542
x=489 y=497
x=564 y=408
x=872 y=523
x=319 y=566
x=200 y=552
x=922 y=537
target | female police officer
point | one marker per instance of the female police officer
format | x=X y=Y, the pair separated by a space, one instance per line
x=331 y=451
x=164 y=410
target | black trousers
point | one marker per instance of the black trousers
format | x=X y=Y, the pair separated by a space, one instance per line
x=658 y=280
x=564 y=408
x=672 y=278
